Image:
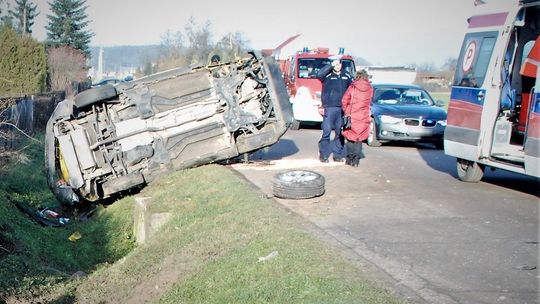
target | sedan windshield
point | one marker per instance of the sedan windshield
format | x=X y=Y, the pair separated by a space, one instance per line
x=401 y=96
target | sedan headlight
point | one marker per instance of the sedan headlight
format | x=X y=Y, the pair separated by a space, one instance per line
x=442 y=122
x=390 y=119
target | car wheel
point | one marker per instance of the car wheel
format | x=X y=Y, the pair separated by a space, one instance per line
x=439 y=145
x=298 y=184
x=372 y=140
x=295 y=125
x=469 y=171
x=93 y=95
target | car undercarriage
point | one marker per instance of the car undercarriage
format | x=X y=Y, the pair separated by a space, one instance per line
x=110 y=139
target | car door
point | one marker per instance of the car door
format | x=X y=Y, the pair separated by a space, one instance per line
x=532 y=134
x=467 y=97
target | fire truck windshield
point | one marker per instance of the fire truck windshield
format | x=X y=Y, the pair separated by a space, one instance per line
x=308 y=67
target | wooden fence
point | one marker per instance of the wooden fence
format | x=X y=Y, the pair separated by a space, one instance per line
x=28 y=114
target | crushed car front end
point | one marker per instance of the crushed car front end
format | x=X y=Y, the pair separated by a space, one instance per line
x=111 y=139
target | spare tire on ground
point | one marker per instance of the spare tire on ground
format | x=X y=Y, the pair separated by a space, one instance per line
x=298 y=184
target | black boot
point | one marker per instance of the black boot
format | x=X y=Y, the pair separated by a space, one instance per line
x=355 y=161
x=349 y=146
x=357 y=154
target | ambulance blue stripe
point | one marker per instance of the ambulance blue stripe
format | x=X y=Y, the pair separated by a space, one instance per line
x=536 y=104
x=467 y=94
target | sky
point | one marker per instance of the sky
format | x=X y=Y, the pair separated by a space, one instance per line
x=384 y=32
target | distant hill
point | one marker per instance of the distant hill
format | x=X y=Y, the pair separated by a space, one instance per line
x=118 y=58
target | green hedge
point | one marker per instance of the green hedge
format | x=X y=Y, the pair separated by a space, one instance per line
x=23 y=64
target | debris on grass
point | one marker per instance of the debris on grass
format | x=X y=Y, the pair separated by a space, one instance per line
x=272 y=255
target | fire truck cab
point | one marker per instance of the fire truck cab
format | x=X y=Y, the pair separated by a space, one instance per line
x=494 y=110
x=300 y=74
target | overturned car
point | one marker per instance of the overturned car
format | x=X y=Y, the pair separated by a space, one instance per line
x=110 y=139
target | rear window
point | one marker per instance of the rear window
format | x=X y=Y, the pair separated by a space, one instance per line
x=308 y=67
x=474 y=59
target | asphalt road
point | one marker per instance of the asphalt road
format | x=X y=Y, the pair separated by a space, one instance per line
x=423 y=233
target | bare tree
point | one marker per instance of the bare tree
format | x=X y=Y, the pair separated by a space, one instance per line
x=449 y=69
x=171 y=51
x=232 y=46
x=199 y=41
x=195 y=45
x=66 y=65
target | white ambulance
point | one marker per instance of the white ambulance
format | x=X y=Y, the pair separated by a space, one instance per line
x=494 y=109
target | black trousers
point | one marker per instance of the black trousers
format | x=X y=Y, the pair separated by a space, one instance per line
x=354 y=152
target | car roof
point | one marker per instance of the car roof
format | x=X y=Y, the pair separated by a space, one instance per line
x=401 y=86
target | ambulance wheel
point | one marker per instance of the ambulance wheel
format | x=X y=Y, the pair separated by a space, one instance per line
x=469 y=171
x=297 y=184
x=295 y=125
x=372 y=140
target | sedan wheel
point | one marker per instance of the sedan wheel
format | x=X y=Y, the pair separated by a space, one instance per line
x=372 y=140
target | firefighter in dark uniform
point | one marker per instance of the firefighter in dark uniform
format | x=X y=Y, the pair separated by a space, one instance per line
x=335 y=82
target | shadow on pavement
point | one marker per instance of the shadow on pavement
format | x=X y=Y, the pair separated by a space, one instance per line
x=283 y=148
x=433 y=157
x=439 y=161
x=514 y=181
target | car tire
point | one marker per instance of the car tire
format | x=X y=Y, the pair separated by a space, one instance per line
x=298 y=184
x=439 y=145
x=295 y=125
x=94 y=95
x=372 y=140
x=469 y=171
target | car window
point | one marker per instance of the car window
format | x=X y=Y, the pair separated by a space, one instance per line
x=308 y=67
x=474 y=59
x=402 y=96
x=386 y=96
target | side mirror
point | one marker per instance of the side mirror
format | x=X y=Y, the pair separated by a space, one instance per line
x=440 y=103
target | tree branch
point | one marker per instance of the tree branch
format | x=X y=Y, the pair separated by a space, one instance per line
x=24 y=133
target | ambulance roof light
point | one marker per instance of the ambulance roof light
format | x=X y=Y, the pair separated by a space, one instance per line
x=341 y=51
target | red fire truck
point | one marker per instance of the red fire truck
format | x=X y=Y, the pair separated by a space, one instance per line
x=299 y=71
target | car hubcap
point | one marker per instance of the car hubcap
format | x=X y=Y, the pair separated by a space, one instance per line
x=298 y=176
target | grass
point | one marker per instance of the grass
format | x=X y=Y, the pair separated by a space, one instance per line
x=208 y=252
x=444 y=96
x=35 y=257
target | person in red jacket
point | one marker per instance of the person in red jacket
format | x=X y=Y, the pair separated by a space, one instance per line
x=356 y=103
